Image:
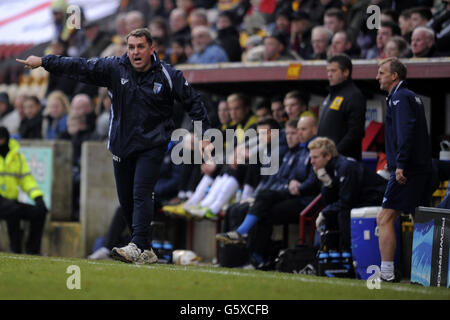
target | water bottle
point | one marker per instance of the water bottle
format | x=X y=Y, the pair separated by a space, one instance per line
x=167 y=251
x=157 y=247
x=322 y=257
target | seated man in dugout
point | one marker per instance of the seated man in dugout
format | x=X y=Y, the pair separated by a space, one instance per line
x=346 y=184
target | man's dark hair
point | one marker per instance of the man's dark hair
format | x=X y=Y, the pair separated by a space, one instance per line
x=395 y=29
x=344 y=62
x=335 y=12
x=395 y=66
x=302 y=97
x=272 y=123
x=292 y=123
x=391 y=13
x=424 y=12
x=264 y=104
x=276 y=98
x=141 y=32
x=34 y=99
x=4 y=133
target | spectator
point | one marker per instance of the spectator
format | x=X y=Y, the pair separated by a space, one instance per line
x=334 y=20
x=12 y=120
x=282 y=24
x=346 y=184
x=159 y=28
x=205 y=50
x=317 y=14
x=228 y=36
x=31 y=124
x=81 y=104
x=198 y=17
x=276 y=48
x=440 y=23
x=354 y=13
x=422 y=43
x=5 y=107
x=342 y=114
x=103 y=110
x=404 y=23
x=56 y=82
x=341 y=43
x=300 y=36
x=389 y=15
x=186 y=5
x=386 y=31
x=179 y=26
x=97 y=40
x=120 y=23
x=320 y=39
x=134 y=20
x=155 y=9
x=161 y=49
x=15 y=172
x=55 y=115
x=395 y=47
x=177 y=51
x=277 y=108
x=420 y=16
x=253 y=41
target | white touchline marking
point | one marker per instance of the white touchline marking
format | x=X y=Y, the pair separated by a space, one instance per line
x=393 y=287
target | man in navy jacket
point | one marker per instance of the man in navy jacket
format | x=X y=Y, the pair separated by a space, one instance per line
x=142 y=90
x=408 y=156
x=346 y=184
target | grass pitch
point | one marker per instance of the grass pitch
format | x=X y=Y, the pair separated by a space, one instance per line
x=31 y=277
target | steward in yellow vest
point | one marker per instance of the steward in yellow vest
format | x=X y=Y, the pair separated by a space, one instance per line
x=15 y=173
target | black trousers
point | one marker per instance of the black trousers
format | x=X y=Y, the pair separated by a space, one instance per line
x=136 y=177
x=273 y=208
x=13 y=212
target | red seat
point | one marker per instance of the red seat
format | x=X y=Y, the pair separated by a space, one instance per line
x=309 y=215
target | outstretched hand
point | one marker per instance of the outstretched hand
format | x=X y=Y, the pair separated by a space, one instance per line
x=31 y=62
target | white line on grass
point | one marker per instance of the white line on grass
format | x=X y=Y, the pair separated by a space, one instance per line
x=301 y=278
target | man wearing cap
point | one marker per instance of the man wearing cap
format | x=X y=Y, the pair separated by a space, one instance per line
x=15 y=173
x=300 y=41
x=276 y=48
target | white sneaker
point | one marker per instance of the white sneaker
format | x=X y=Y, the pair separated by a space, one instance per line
x=147 y=257
x=100 y=254
x=128 y=254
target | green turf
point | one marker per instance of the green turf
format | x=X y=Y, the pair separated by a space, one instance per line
x=31 y=277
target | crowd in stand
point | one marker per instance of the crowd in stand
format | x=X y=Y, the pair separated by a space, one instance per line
x=207 y=31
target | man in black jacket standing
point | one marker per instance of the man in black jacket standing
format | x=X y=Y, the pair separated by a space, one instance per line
x=342 y=114
x=143 y=90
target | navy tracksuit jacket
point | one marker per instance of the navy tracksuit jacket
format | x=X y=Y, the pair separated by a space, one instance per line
x=407 y=141
x=140 y=127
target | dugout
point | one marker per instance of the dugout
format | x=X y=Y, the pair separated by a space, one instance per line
x=428 y=77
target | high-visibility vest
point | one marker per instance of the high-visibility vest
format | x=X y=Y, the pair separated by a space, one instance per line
x=14 y=173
